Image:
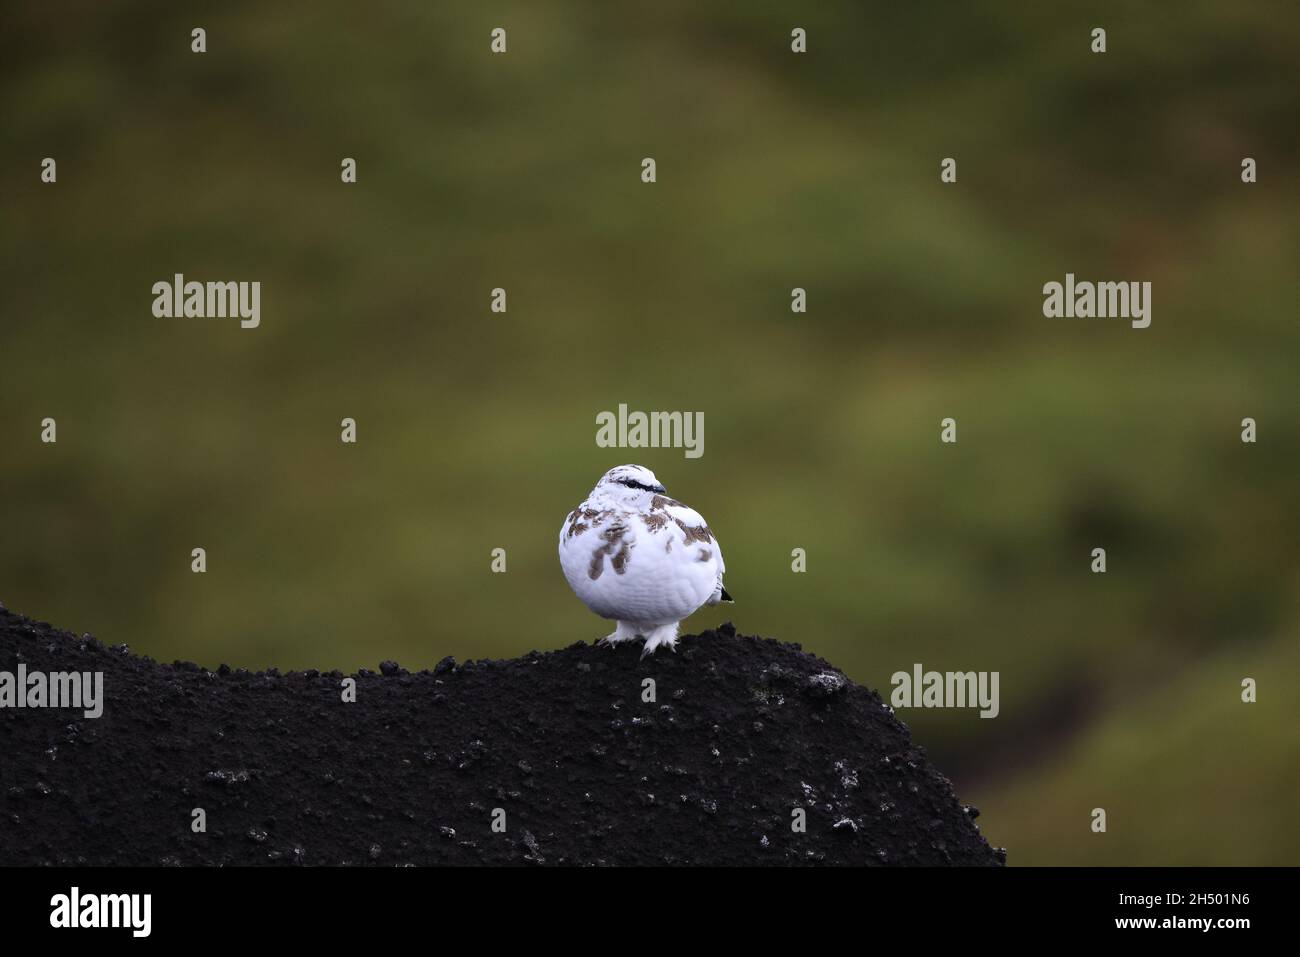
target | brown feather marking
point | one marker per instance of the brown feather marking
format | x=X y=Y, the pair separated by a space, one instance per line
x=654 y=521
x=581 y=520
x=694 y=534
x=613 y=537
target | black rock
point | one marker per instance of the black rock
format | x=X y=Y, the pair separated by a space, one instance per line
x=281 y=763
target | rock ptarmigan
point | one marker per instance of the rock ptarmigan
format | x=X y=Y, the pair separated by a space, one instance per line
x=635 y=555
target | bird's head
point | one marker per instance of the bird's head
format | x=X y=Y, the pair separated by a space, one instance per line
x=629 y=483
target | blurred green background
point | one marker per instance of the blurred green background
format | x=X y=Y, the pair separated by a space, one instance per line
x=775 y=170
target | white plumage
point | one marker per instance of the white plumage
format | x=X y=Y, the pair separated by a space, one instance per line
x=635 y=555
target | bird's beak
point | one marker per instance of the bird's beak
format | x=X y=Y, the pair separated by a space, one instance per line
x=661 y=490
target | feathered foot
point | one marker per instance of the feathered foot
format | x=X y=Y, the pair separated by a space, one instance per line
x=625 y=631
x=660 y=636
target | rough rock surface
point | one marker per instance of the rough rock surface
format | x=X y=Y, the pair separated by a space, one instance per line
x=742 y=731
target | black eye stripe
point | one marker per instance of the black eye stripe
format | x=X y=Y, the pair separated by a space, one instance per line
x=633 y=483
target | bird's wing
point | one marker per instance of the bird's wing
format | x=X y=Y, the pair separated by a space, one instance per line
x=693 y=527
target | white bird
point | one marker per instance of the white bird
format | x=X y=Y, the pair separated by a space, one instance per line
x=635 y=555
